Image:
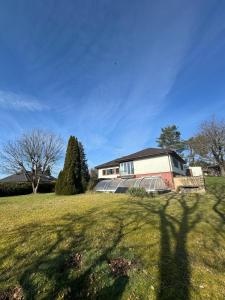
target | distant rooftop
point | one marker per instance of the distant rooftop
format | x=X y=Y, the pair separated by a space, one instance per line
x=22 y=177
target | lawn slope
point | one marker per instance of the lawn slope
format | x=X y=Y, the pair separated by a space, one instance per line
x=175 y=246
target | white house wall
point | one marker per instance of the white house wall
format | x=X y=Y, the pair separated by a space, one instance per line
x=196 y=171
x=152 y=165
x=159 y=164
x=100 y=174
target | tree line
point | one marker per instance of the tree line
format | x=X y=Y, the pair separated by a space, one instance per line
x=205 y=148
x=34 y=155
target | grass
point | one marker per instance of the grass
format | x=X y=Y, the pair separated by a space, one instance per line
x=176 y=244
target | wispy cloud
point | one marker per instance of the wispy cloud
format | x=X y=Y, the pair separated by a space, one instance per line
x=15 y=101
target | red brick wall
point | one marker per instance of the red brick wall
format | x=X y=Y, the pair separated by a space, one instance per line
x=167 y=177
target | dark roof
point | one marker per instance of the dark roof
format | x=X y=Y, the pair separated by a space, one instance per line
x=148 y=152
x=22 y=177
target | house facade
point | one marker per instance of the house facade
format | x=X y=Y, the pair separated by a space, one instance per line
x=148 y=162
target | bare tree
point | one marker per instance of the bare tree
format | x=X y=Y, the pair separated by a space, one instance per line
x=210 y=143
x=33 y=154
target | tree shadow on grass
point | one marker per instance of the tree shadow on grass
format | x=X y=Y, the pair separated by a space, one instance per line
x=94 y=280
x=218 y=191
x=174 y=268
x=49 y=263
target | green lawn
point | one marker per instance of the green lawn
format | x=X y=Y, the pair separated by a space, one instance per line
x=175 y=243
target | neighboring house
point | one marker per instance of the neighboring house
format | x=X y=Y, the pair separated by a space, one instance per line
x=148 y=162
x=22 y=177
x=213 y=170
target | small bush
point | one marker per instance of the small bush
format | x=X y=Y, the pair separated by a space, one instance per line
x=138 y=192
x=14 y=189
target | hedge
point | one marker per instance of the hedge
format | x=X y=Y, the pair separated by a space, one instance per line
x=13 y=189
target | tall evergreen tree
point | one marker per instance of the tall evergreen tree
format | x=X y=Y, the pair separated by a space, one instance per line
x=69 y=180
x=170 y=137
x=85 y=176
x=60 y=183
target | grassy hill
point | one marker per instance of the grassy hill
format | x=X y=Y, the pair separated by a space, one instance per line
x=106 y=246
x=213 y=181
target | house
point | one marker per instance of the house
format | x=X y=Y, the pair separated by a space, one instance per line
x=22 y=177
x=165 y=163
x=213 y=170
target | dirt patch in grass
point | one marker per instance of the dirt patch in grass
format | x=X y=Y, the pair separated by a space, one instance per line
x=15 y=293
x=120 y=266
x=75 y=260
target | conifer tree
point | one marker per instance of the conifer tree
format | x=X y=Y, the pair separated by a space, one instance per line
x=69 y=181
x=170 y=137
x=85 y=176
x=60 y=183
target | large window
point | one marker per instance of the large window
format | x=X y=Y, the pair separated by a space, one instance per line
x=175 y=162
x=109 y=171
x=127 y=168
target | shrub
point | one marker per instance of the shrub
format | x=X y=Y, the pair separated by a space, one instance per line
x=138 y=192
x=14 y=189
x=46 y=187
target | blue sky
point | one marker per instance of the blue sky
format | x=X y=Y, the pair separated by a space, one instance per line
x=111 y=73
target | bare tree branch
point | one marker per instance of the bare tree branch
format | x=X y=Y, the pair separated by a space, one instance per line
x=33 y=154
x=210 y=142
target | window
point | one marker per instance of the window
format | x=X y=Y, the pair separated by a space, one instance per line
x=109 y=171
x=175 y=162
x=127 y=168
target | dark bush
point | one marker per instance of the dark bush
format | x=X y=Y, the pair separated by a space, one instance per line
x=47 y=187
x=14 y=189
